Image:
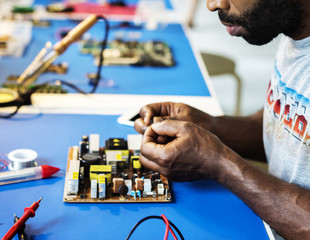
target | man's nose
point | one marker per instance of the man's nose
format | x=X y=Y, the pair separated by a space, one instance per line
x=214 y=5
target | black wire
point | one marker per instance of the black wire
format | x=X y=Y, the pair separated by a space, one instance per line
x=156 y=217
x=71 y=85
x=25 y=98
x=11 y=114
x=101 y=57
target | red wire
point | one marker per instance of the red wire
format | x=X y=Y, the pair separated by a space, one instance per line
x=168 y=228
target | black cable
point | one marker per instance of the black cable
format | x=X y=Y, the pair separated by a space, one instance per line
x=101 y=57
x=24 y=98
x=155 y=217
x=71 y=85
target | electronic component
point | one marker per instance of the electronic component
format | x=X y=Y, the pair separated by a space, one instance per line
x=160 y=189
x=102 y=183
x=72 y=178
x=147 y=185
x=96 y=170
x=89 y=159
x=119 y=52
x=11 y=83
x=94 y=142
x=117 y=183
x=128 y=183
x=139 y=184
x=117 y=153
x=23 y=9
x=134 y=143
x=84 y=145
x=123 y=190
x=93 y=188
x=136 y=165
x=105 y=174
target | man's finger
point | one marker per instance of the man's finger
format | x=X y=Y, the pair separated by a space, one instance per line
x=170 y=128
x=151 y=149
x=140 y=126
x=149 y=164
x=155 y=109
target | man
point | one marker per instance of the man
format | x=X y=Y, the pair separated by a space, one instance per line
x=186 y=144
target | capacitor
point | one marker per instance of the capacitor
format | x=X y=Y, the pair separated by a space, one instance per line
x=84 y=145
x=89 y=159
x=123 y=190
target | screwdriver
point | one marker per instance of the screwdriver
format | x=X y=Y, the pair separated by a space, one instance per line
x=28 y=212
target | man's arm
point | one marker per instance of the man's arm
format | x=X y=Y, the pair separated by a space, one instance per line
x=284 y=206
x=243 y=134
x=193 y=153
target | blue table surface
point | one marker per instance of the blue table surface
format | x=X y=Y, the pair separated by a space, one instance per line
x=201 y=210
x=184 y=78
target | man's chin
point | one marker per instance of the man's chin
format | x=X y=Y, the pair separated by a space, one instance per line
x=257 y=40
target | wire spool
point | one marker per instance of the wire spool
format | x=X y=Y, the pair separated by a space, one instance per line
x=22 y=158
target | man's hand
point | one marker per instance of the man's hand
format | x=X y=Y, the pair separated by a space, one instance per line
x=157 y=112
x=243 y=135
x=193 y=153
x=189 y=152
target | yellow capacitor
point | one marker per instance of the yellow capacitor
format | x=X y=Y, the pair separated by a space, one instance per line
x=135 y=162
x=100 y=169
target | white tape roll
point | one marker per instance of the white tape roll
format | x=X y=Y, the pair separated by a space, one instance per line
x=22 y=158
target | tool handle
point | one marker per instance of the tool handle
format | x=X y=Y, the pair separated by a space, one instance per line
x=76 y=33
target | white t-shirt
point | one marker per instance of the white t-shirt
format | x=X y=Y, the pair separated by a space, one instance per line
x=287 y=113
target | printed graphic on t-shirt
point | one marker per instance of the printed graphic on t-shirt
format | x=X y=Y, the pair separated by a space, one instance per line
x=291 y=109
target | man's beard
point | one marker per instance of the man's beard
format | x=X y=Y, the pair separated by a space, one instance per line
x=267 y=19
